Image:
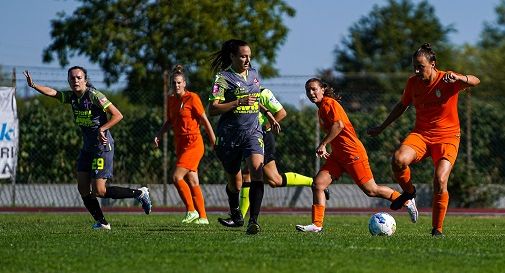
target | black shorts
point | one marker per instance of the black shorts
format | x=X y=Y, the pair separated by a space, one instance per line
x=269 y=140
x=98 y=163
x=231 y=150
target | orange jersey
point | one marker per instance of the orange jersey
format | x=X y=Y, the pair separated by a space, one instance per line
x=436 y=106
x=345 y=146
x=184 y=114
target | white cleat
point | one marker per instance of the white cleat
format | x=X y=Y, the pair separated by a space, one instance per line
x=412 y=210
x=309 y=228
x=145 y=200
x=98 y=226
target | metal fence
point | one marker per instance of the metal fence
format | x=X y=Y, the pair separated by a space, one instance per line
x=479 y=168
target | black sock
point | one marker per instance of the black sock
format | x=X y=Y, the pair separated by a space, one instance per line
x=121 y=193
x=255 y=198
x=284 y=180
x=91 y=203
x=246 y=184
x=233 y=199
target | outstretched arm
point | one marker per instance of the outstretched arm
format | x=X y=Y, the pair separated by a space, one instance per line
x=397 y=111
x=468 y=80
x=48 y=91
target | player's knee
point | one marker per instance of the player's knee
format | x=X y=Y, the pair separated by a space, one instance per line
x=399 y=161
x=99 y=192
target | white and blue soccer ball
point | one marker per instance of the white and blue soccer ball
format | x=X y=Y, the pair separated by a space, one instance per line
x=382 y=224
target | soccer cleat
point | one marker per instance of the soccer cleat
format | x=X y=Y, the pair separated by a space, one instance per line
x=201 y=221
x=98 y=226
x=400 y=201
x=435 y=233
x=190 y=216
x=235 y=219
x=309 y=228
x=412 y=210
x=327 y=194
x=252 y=228
x=145 y=200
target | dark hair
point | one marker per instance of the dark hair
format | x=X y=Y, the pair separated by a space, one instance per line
x=221 y=59
x=88 y=83
x=426 y=51
x=328 y=90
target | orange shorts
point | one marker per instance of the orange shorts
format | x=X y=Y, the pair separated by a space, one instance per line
x=446 y=148
x=359 y=170
x=189 y=151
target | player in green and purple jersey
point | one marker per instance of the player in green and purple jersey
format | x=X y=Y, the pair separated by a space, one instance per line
x=94 y=164
x=235 y=97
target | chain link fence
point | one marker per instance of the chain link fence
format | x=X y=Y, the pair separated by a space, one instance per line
x=49 y=144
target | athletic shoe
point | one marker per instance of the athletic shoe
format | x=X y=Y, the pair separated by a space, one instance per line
x=98 y=226
x=145 y=200
x=309 y=228
x=327 y=194
x=235 y=219
x=435 y=233
x=400 y=201
x=190 y=217
x=252 y=228
x=201 y=221
x=412 y=210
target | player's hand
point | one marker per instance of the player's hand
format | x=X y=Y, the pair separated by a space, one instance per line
x=29 y=79
x=247 y=100
x=102 y=136
x=450 y=77
x=321 y=152
x=374 y=131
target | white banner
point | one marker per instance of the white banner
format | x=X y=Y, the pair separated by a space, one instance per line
x=9 y=132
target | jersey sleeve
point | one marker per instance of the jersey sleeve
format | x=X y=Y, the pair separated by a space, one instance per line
x=329 y=111
x=197 y=104
x=99 y=99
x=268 y=99
x=220 y=85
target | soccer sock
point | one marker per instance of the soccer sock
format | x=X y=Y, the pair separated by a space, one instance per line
x=244 y=198
x=198 y=200
x=92 y=205
x=255 y=198
x=402 y=177
x=393 y=196
x=185 y=194
x=233 y=199
x=121 y=193
x=440 y=204
x=318 y=214
x=294 y=180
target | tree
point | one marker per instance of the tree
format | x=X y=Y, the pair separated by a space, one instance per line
x=493 y=34
x=142 y=38
x=383 y=42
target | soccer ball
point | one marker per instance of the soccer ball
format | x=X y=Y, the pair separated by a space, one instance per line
x=382 y=224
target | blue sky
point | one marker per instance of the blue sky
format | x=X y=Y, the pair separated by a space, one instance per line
x=315 y=31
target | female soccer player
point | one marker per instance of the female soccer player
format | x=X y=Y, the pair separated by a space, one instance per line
x=235 y=98
x=434 y=94
x=185 y=114
x=272 y=176
x=348 y=155
x=94 y=164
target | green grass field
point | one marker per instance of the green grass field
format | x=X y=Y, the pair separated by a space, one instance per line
x=50 y=242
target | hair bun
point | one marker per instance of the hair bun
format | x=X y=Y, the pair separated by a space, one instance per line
x=178 y=68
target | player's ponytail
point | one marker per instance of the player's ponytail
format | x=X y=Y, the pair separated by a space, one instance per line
x=221 y=59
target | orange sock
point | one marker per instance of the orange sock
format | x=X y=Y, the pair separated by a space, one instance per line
x=198 y=200
x=440 y=204
x=185 y=194
x=402 y=177
x=393 y=196
x=317 y=215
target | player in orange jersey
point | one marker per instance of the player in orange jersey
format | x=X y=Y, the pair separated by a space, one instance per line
x=436 y=133
x=348 y=155
x=185 y=114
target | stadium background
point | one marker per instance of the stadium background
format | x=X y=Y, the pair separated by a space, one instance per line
x=49 y=143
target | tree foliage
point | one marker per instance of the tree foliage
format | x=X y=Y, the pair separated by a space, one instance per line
x=383 y=42
x=142 y=38
x=493 y=34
